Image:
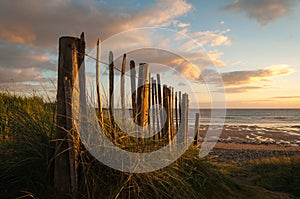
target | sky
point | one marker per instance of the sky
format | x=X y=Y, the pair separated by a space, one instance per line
x=252 y=45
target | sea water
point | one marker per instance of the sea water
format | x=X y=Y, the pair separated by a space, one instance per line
x=250 y=120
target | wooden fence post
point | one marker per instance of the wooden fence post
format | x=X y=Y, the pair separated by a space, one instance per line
x=196 y=140
x=157 y=135
x=153 y=104
x=170 y=116
x=122 y=87
x=98 y=83
x=133 y=89
x=149 y=101
x=185 y=112
x=71 y=56
x=160 y=113
x=111 y=92
x=143 y=95
x=182 y=137
x=176 y=111
x=172 y=112
x=179 y=103
x=165 y=128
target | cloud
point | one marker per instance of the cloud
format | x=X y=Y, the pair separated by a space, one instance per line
x=19 y=63
x=215 y=58
x=287 y=97
x=181 y=84
x=241 y=89
x=254 y=76
x=263 y=11
x=213 y=38
x=30 y=30
x=40 y=23
x=161 y=13
x=243 y=81
x=14 y=55
x=162 y=61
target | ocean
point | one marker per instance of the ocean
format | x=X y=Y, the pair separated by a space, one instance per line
x=259 y=117
x=253 y=125
x=271 y=126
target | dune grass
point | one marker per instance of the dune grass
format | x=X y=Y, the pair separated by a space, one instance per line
x=27 y=133
x=278 y=174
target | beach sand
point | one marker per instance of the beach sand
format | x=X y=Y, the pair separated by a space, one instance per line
x=269 y=147
x=242 y=147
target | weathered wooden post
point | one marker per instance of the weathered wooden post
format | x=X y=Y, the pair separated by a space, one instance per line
x=122 y=87
x=165 y=129
x=176 y=111
x=81 y=80
x=98 y=83
x=143 y=95
x=157 y=135
x=159 y=96
x=111 y=92
x=196 y=139
x=170 y=117
x=172 y=127
x=185 y=111
x=153 y=104
x=183 y=127
x=133 y=89
x=149 y=101
x=179 y=103
x=71 y=56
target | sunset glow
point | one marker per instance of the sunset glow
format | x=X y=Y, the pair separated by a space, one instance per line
x=253 y=44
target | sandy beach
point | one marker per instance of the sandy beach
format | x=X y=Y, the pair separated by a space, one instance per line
x=236 y=147
x=273 y=147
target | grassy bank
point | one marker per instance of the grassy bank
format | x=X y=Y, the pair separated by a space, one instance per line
x=27 y=132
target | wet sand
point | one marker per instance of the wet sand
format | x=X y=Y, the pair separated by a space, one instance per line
x=270 y=147
x=260 y=137
x=236 y=147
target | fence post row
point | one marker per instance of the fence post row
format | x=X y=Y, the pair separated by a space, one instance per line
x=144 y=94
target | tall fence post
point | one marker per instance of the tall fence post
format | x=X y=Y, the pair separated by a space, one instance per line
x=133 y=89
x=111 y=92
x=185 y=112
x=179 y=105
x=149 y=100
x=122 y=87
x=157 y=134
x=100 y=112
x=143 y=95
x=176 y=111
x=153 y=104
x=165 y=129
x=183 y=127
x=196 y=140
x=160 y=113
x=71 y=56
x=172 y=112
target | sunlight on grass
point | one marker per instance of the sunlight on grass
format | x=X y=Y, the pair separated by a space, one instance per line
x=27 y=131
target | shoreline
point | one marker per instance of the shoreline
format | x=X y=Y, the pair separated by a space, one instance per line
x=239 y=146
x=246 y=146
x=255 y=137
x=240 y=154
